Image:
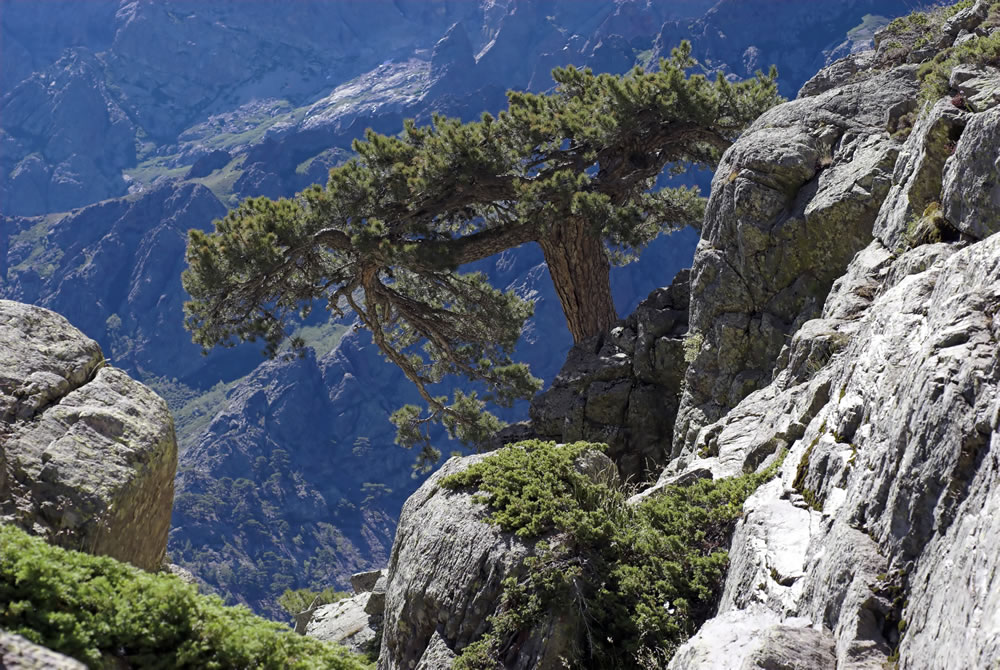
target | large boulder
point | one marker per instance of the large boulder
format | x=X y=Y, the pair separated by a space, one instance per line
x=87 y=455
x=446 y=575
x=792 y=202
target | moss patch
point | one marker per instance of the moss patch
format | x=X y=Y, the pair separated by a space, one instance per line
x=96 y=609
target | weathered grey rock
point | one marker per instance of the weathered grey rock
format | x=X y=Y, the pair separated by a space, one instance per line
x=970 y=191
x=363 y=582
x=964 y=21
x=42 y=358
x=445 y=580
x=345 y=622
x=883 y=509
x=88 y=455
x=375 y=604
x=787 y=647
x=755 y=639
x=978 y=85
x=17 y=653
x=792 y=202
x=437 y=656
x=844 y=71
x=623 y=389
x=916 y=180
x=769 y=556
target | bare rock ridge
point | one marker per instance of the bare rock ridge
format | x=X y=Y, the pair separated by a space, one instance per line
x=844 y=313
x=87 y=455
x=625 y=393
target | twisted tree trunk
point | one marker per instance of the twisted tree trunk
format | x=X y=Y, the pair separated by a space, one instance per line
x=581 y=273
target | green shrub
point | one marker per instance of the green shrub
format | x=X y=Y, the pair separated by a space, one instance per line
x=935 y=73
x=94 y=607
x=299 y=600
x=646 y=575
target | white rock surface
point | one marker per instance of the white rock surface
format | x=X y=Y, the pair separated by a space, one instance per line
x=345 y=622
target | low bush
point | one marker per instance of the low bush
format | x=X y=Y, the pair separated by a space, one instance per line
x=644 y=576
x=97 y=609
x=295 y=601
x=935 y=73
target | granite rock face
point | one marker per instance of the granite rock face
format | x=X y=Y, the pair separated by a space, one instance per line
x=625 y=393
x=878 y=538
x=792 y=202
x=883 y=510
x=17 y=653
x=87 y=455
x=970 y=186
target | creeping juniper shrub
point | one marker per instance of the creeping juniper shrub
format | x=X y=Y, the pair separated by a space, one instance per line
x=645 y=576
x=97 y=610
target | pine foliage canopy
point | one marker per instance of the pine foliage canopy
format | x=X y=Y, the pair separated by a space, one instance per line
x=572 y=170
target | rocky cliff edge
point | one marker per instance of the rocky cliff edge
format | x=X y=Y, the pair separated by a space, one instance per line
x=87 y=455
x=844 y=312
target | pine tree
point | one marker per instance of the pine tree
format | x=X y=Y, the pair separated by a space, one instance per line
x=572 y=171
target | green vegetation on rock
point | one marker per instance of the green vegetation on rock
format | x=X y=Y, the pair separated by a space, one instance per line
x=935 y=73
x=645 y=576
x=921 y=30
x=299 y=600
x=101 y=611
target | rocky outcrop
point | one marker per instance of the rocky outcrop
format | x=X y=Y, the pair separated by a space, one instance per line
x=624 y=393
x=446 y=574
x=17 y=653
x=881 y=517
x=345 y=622
x=87 y=455
x=878 y=539
x=452 y=593
x=354 y=622
x=791 y=204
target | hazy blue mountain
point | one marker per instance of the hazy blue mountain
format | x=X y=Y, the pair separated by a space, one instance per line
x=124 y=124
